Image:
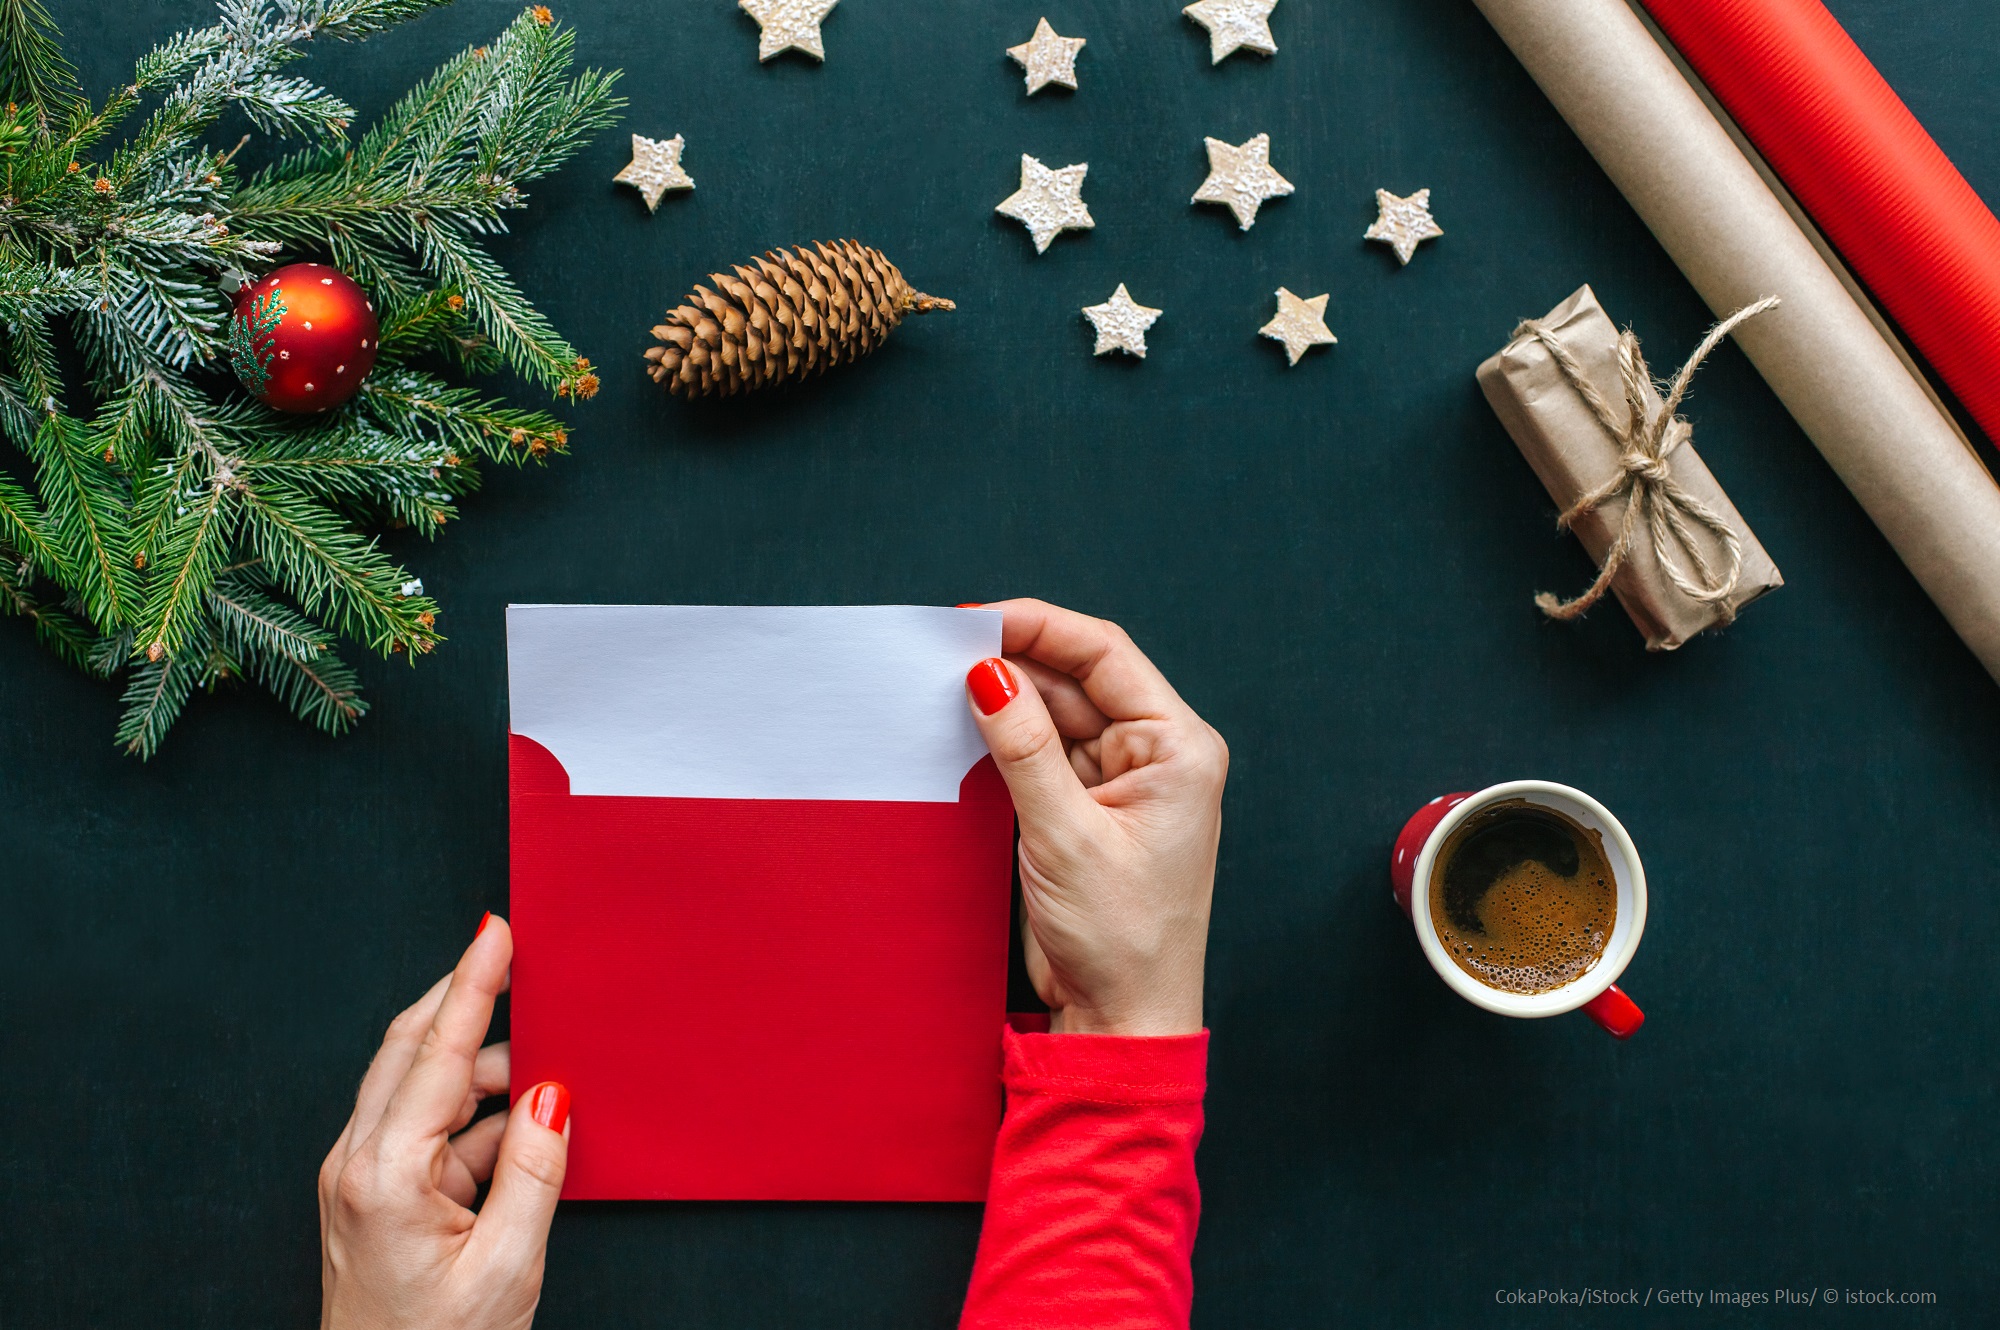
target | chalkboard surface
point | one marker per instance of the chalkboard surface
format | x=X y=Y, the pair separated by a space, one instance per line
x=1333 y=563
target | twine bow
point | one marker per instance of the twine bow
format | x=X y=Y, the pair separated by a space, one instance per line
x=1646 y=444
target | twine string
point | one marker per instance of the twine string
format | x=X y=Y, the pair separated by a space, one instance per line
x=1646 y=444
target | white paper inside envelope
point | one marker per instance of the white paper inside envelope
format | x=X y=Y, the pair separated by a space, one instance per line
x=751 y=702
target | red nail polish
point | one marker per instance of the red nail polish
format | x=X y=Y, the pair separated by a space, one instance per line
x=548 y=1104
x=970 y=605
x=484 y=920
x=992 y=685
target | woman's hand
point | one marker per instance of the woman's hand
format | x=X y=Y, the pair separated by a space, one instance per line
x=400 y=1248
x=1118 y=787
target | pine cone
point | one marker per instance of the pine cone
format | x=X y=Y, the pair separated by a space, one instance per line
x=789 y=315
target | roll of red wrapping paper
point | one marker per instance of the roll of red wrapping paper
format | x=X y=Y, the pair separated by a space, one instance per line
x=1876 y=184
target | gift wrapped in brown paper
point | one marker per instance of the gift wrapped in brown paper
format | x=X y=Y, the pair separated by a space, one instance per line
x=1618 y=460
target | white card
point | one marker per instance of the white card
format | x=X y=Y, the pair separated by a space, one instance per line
x=751 y=701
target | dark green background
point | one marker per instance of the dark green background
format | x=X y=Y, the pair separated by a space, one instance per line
x=1333 y=563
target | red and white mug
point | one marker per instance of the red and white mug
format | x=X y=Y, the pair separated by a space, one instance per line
x=1595 y=991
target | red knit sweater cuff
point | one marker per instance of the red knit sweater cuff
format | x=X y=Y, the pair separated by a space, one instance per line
x=1107 y=1068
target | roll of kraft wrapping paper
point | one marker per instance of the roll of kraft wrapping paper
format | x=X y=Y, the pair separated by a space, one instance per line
x=1834 y=370
x=1873 y=181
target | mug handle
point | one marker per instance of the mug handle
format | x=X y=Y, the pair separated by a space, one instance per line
x=1617 y=1014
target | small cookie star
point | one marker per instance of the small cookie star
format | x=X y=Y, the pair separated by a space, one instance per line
x=1047 y=58
x=1235 y=25
x=1121 y=323
x=1241 y=177
x=1299 y=324
x=1048 y=201
x=655 y=168
x=1404 y=223
x=788 y=25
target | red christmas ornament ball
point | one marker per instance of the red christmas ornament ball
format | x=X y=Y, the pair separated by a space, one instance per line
x=305 y=337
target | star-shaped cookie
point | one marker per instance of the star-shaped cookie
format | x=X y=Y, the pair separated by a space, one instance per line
x=655 y=168
x=1299 y=324
x=1048 y=201
x=1121 y=323
x=1235 y=25
x=1047 y=58
x=1404 y=223
x=788 y=25
x=1241 y=177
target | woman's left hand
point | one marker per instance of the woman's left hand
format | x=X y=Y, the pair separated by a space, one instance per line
x=400 y=1247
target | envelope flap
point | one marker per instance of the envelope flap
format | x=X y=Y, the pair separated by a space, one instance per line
x=533 y=769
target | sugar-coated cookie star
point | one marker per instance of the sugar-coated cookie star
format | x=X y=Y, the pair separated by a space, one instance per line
x=1299 y=323
x=1047 y=58
x=1121 y=323
x=788 y=25
x=1235 y=25
x=1048 y=201
x=1241 y=177
x=655 y=168
x=1404 y=223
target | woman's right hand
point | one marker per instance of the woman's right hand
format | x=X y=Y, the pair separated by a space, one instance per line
x=1118 y=787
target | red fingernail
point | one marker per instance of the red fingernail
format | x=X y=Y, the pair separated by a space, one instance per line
x=992 y=685
x=484 y=920
x=971 y=605
x=548 y=1104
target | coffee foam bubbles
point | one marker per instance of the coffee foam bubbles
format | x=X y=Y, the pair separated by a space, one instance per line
x=1510 y=918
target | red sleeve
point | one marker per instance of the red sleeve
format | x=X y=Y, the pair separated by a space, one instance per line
x=1091 y=1214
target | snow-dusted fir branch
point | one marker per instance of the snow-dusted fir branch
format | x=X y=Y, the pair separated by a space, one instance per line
x=163 y=524
x=442 y=169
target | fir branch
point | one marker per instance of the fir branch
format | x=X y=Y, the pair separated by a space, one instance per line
x=60 y=632
x=185 y=524
x=352 y=462
x=381 y=271
x=21 y=528
x=518 y=331
x=85 y=519
x=440 y=169
x=236 y=61
x=321 y=689
x=353 y=20
x=154 y=698
x=36 y=286
x=28 y=396
x=541 y=121
x=434 y=321
x=189 y=561
x=32 y=349
x=287 y=653
x=163 y=320
x=33 y=71
x=110 y=653
x=461 y=421
x=248 y=621
x=327 y=568
x=33 y=391
x=161 y=415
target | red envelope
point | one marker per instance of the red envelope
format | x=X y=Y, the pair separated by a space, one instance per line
x=763 y=998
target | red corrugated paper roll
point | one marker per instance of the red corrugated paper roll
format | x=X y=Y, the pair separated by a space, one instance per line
x=1883 y=192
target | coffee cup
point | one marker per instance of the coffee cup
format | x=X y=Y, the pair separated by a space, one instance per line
x=1595 y=992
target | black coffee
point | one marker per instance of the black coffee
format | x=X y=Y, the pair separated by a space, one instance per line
x=1523 y=897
